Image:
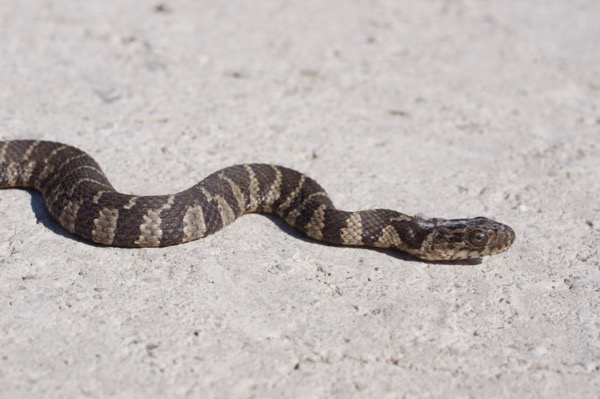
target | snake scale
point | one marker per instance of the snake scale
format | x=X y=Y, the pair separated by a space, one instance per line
x=79 y=196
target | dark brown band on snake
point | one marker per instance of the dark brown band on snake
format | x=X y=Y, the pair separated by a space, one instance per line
x=80 y=197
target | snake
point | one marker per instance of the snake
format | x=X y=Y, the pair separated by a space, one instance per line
x=81 y=199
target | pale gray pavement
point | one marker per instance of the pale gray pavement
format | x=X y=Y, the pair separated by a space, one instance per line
x=446 y=108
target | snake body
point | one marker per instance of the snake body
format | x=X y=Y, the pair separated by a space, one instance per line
x=81 y=199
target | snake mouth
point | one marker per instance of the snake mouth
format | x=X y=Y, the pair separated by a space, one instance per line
x=506 y=238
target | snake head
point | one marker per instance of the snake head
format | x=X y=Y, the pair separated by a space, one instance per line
x=464 y=238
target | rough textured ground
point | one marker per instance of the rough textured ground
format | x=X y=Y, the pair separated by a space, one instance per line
x=446 y=108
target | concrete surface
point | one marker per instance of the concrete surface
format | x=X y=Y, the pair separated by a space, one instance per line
x=445 y=108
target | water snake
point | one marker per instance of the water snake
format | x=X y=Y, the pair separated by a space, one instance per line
x=82 y=200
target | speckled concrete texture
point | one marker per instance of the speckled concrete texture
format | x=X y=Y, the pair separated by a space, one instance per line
x=443 y=108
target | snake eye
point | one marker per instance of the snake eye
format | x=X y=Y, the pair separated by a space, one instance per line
x=478 y=238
